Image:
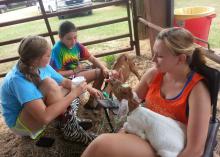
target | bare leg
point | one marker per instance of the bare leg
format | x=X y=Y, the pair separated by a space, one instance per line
x=119 y=145
x=52 y=92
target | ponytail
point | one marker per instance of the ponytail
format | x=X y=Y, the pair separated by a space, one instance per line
x=197 y=60
x=29 y=72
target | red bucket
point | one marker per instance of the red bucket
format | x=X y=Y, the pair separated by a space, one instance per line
x=197 y=20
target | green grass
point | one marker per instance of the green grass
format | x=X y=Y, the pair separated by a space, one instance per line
x=214 y=34
x=36 y=27
x=109 y=60
x=99 y=15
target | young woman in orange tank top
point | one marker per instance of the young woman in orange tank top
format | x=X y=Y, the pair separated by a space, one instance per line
x=172 y=87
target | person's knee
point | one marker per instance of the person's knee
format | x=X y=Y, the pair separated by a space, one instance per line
x=49 y=85
x=98 y=145
x=103 y=139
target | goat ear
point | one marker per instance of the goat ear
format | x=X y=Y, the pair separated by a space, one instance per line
x=121 y=77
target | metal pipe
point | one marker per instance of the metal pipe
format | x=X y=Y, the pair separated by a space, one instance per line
x=79 y=28
x=46 y=21
x=207 y=52
x=106 y=39
x=98 y=55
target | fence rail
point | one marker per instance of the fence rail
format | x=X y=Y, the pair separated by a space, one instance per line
x=209 y=53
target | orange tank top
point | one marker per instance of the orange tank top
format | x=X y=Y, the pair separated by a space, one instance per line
x=173 y=108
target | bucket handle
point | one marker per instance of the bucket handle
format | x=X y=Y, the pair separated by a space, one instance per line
x=201 y=40
x=211 y=16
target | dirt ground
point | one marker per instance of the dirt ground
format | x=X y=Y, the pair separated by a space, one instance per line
x=12 y=145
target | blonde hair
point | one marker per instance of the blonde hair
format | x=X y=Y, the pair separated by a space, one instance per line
x=30 y=49
x=181 y=41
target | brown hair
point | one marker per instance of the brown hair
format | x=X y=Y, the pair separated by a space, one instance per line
x=30 y=49
x=181 y=41
x=66 y=27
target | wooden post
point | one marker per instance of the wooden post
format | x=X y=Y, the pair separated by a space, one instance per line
x=141 y=11
x=159 y=12
x=135 y=27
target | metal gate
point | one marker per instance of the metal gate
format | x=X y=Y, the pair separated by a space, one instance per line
x=130 y=17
